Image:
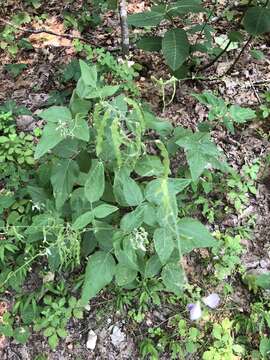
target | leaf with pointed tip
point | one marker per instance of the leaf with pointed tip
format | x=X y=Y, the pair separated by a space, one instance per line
x=95 y=183
x=175 y=47
x=99 y=272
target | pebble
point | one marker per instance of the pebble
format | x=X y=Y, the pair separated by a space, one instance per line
x=92 y=340
x=117 y=336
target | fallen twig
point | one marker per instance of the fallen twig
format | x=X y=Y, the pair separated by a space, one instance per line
x=40 y=31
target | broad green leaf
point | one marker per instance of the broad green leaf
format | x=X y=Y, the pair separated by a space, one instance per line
x=80 y=129
x=83 y=90
x=155 y=194
x=257 y=20
x=240 y=114
x=201 y=152
x=150 y=43
x=63 y=178
x=124 y=275
x=149 y=165
x=103 y=92
x=132 y=220
x=175 y=47
x=83 y=220
x=103 y=210
x=173 y=278
x=164 y=244
x=152 y=266
x=51 y=136
x=150 y=217
x=148 y=18
x=194 y=235
x=56 y=114
x=236 y=36
x=99 y=272
x=125 y=252
x=184 y=7
x=88 y=74
x=197 y=162
x=132 y=192
x=161 y=126
x=95 y=183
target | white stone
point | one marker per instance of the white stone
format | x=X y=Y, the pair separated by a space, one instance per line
x=92 y=340
x=117 y=336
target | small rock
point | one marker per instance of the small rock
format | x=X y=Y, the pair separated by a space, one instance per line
x=117 y=336
x=264 y=263
x=92 y=340
x=25 y=122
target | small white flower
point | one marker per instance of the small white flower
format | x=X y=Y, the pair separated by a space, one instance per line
x=195 y=311
x=212 y=300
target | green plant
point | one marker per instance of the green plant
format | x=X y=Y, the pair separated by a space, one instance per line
x=8 y=328
x=223 y=346
x=264 y=109
x=8 y=34
x=122 y=71
x=187 y=339
x=133 y=223
x=16 y=153
x=227 y=255
x=55 y=316
x=175 y=44
x=222 y=112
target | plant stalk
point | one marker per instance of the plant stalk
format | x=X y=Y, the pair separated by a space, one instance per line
x=124 y=27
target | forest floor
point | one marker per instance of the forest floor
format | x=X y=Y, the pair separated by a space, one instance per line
x=118 y=334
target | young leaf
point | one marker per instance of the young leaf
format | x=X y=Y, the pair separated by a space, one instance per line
x=132 y=192
x=257 y=20
x=88 y=74
x=95 y=183
x=194 y=235
x=240 y=114
x=164 y=244
x=173 y=278
x=132 y=220
x=149 y=165
x=103 y=92
x=103 y=210
x=152 y=266
x=56 y=114
x=99 y=272
x=175 y=47
x=124 y=275
x=80 y=129
x=51 y=136
x=83 y=220
x=63 y=178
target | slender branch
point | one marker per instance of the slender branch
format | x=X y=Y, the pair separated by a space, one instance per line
x=124 y=27
x=40 y=31
x=206 y=66
x=239 y=55
x=227 y=46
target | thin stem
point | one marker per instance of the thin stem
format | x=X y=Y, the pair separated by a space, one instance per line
x=239 y=55
x=40 y=31
x=227 y=46
x=124 y=27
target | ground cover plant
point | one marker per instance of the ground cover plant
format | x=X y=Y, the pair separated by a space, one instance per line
x=134 y=185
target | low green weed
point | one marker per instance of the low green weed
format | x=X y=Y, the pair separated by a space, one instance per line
x=54 y=318
x=222 y=112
